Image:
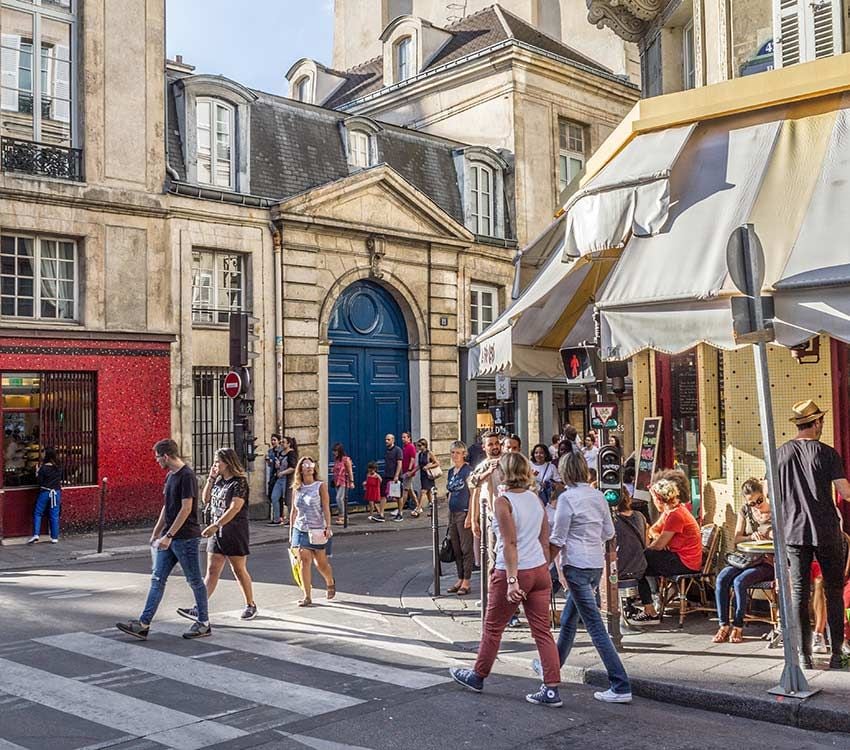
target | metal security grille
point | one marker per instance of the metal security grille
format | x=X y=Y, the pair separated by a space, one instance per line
x=212 y=416
x=67 y=418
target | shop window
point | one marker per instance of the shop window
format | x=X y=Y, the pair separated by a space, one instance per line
x=218 y=286
x=571 y=152
x=212 y=416
x=48 y=410
x=38 y=278
x=484 y=307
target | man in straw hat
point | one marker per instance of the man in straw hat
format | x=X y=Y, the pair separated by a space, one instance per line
x=808 y=471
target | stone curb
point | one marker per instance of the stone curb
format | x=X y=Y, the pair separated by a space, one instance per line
x=776 y=710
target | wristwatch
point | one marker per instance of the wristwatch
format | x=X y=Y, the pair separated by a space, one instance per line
x=511 y=579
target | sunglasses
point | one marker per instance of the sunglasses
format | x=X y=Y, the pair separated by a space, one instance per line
x=754 y=503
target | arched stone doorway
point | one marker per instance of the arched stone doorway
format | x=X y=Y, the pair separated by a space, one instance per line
x=368 y=375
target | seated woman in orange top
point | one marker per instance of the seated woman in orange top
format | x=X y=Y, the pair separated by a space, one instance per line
x=676 y=546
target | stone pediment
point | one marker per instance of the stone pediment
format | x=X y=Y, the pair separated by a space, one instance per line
x=375 y=200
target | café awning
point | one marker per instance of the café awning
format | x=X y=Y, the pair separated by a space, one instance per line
x=629 y=196
x=783 y=169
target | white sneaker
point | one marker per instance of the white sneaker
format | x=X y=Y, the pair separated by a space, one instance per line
x=33 y=540
x=54 y=541
x=819 y=644
x=609 y=696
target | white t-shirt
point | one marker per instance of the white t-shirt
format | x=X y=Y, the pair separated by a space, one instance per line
x=527 y=512
x=590 y=455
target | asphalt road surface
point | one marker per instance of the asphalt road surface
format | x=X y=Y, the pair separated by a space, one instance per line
x=355 y=673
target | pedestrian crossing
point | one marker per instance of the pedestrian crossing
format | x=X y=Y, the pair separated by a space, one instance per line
x=265 y=675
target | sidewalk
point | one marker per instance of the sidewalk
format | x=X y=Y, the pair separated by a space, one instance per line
x=15 y=554
x=664 y=663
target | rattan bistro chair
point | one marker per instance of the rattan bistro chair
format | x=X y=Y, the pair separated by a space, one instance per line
x=676 y=588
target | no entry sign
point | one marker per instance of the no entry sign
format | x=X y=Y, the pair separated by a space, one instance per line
x=232 y=384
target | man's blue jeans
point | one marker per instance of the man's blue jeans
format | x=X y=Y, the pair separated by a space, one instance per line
x=581 y=602
x=186 y=552
x=740 y=580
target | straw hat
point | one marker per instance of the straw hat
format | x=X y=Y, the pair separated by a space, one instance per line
x=805 y=412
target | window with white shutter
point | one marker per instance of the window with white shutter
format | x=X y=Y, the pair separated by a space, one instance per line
x=805 y=31
x=215 y=150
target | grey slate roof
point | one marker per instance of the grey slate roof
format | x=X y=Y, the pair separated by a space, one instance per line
x=296 y=147
x=471 y=34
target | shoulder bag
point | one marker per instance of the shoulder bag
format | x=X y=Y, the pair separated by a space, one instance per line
x=447 y=552
x=435 y=472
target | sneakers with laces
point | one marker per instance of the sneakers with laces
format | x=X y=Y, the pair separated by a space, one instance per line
x=398 y=517
x=546 y=696
x=33 y=539
x=609 y=696
x=134 y=628
x=54 y=541
x=249 y=613
x=468 y=678
x=819 y=644
x=190 y=613
x=642 y=618
x=377 y=518
x=198 y=630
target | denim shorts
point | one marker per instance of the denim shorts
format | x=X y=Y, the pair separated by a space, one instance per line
x=302 y=539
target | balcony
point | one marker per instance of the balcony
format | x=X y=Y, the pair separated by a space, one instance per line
x=41 y=159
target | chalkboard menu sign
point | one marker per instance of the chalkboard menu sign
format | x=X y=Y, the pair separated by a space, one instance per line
x=647 y=456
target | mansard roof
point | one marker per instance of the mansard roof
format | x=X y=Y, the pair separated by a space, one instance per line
x=471 y=34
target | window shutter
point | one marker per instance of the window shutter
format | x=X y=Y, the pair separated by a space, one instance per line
x=9 y=60
x=62 y=84
x=787 y=33
x=825 y=28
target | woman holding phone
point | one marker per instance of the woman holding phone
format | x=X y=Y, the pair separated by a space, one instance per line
x=311 y=527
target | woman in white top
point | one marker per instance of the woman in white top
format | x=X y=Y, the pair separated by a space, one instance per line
x=582 y=526
x=520 y=575
x=311 y=527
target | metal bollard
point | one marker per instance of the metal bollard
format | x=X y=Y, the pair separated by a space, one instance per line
x=435 y=533
x=101 y=515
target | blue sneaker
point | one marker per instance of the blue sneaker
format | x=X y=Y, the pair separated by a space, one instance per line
x=546 y=696
x=467 y=678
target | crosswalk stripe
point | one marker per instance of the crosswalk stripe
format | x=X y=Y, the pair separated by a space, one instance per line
x=300 y=699
x=319 y=659
x=6 y=745
x=123 y=713
x=319 y=744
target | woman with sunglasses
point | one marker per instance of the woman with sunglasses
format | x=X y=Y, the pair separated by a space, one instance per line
x=754 y=524
x=426 y=461
x=311 y=527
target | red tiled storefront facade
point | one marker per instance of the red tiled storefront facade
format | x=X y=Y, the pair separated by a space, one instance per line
x=132 y=412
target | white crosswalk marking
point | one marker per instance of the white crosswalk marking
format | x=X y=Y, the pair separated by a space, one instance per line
x=126 y=714
x=300 y=699
x=6 y=745
x=319 y=659
x=320 y=744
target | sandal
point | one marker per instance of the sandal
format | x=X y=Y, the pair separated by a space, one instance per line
x=737 y=635
x=305 y=602
x=331 y=592
x=454 y=589
x=462 y=591
x=721 y=635
x=339 y=522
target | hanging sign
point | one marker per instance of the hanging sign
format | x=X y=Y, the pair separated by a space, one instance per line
x=647 y=456
x=503 y=387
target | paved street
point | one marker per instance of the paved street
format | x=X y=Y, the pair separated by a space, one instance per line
x=355 y=673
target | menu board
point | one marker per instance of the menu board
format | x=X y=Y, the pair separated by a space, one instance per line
x=647 y=456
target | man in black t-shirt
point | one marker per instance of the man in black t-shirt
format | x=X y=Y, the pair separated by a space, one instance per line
x=809 y=472
x=392 y=471
x=175 y=538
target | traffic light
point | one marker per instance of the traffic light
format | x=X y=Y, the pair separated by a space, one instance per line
x=610 y=474
x=241 y=338
x=250 y=448
x=579 y=364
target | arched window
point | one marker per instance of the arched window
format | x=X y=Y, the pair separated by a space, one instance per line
x=403 y=59
x=359 y=149
x=482 y=209
x=304 y=89
x=214 y=121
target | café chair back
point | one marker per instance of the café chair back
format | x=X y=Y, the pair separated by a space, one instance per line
x=675 y=589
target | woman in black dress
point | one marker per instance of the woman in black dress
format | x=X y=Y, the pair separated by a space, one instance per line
x=225 y=497
x=426 y=461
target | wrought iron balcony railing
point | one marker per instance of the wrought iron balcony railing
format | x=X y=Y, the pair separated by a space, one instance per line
x=41 y=159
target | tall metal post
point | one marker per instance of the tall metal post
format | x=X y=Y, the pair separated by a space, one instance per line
x=101 y=516
x=435 y=534
x=485 y=578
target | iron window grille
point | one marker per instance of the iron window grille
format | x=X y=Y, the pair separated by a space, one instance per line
x=212 y=416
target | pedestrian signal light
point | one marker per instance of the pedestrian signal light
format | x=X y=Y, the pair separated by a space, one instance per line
x=610 y=474
x=578 y=364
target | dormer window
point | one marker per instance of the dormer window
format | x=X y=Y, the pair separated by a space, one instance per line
x=481 y=192
x=359 y=151
x=214 y=122
x=304 y=89
x=403 y=59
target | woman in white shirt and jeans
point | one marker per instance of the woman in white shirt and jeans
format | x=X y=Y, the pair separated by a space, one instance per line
x=520 y=575
x=582 y=526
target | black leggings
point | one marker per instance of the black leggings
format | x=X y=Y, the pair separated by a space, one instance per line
x=831 y=559
x=660 y=563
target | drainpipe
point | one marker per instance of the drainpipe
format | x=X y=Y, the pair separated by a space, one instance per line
x=277 y=241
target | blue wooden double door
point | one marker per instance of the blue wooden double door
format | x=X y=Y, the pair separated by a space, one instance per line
x=368 y=376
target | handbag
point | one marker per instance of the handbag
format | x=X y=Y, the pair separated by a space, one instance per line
x=318 y=536
x=744 y=560
x=447 y=552
x=395 y=490
x=435 y=472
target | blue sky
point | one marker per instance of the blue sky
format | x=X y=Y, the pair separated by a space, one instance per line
x=252 y=41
